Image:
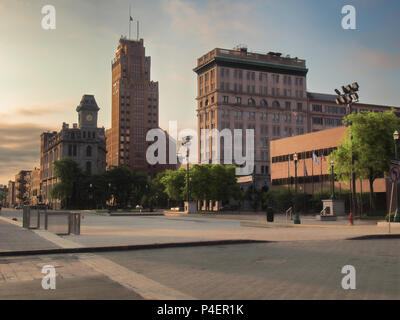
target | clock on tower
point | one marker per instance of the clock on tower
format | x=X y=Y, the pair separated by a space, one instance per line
x=87 y=110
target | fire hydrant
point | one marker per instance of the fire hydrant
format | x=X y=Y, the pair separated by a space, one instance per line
x=351 y=218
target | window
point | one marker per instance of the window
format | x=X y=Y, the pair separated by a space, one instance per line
x=264 y=103
x=317 y=121
x=251 y=102
x=238 y=100
x=287 y=105
x=89 y=151
x=299 y=106
x=317 y=108
x=226 y=99
x=89 y=168
x=275 y=104
x=263 y=116
x=251 y=116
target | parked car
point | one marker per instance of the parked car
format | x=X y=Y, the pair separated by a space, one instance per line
x=18 y=207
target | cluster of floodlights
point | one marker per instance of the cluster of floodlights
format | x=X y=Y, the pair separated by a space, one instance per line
x=349 y=94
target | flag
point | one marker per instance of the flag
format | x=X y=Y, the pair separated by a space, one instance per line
x=305 y=169
x=323 y=158
x=130 y=18
x=315 y=158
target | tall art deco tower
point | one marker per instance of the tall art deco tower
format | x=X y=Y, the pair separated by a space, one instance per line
x=135 y=107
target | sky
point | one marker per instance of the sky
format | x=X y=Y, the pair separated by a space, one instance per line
x=44 y=73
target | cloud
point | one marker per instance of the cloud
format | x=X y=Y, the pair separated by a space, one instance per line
x=37 y=110
x=19 y=148
x=215 y=20
x=379 y=59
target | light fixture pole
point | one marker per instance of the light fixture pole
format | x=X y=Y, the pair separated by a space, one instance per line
x=348 y=97
x=296 y=212
x=186 y=142
x=397 y=215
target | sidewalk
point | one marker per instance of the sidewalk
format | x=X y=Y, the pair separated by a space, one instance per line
x=15 y=238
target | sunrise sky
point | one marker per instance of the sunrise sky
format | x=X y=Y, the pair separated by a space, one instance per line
x=44 y=73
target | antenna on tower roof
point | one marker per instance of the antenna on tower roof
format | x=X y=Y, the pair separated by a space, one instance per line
x=137 y=29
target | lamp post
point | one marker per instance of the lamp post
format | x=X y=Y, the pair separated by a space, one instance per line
x=348 y=97
x=296 y=216
x=333 y=181
x=397 y=215
x=186 y=142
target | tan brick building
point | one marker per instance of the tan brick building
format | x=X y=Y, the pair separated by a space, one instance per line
x=311 y=175
x=238 y=89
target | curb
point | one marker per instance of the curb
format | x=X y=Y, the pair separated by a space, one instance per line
x=376 y=236
x=127 y=247
x=291 y=225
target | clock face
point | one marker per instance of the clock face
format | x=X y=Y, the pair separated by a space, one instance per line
x=89 y=117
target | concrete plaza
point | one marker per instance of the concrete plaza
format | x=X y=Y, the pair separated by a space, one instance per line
x=301 y=262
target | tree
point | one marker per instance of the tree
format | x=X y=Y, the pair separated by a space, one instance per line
x=174 y=182
x=372 y=147
x=70 y=179
x=120 y=179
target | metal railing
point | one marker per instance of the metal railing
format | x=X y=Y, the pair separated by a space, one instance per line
x=58 y=222
x=289 y=212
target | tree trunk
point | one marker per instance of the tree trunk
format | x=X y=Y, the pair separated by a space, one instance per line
x=371 y=191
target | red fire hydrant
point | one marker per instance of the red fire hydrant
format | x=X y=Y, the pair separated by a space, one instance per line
x=351 y=218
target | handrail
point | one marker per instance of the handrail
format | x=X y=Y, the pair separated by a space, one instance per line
x=290 y=210
x=323 y=211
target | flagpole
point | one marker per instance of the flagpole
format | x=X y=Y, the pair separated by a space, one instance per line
x=321 y=171
x=288 y=173
x=312 y=173
x=130 y=20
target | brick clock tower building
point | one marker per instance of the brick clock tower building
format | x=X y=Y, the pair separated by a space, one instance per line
x=134 y=107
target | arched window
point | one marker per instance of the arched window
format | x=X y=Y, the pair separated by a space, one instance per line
x=264 y=103
x=89 y=168
x=276 y=104
x=251 y=102
x=89 y=151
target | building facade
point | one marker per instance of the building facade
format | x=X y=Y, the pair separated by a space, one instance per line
x=237 y=89
x=10 y=200
x=34 y=187
x=22 y=180
x=135 y=107
x=313 y=173
x=84 y=143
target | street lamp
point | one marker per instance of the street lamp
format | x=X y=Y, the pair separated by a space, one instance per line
x=333 y=181
x=296 y=217
x=348 y=97
x=396 y=140
x=186 y=143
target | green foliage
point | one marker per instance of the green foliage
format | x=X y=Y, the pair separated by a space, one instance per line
x=71 y=180
x=372 y=147
x=207 y=182
x=392 y=214
x=174 y=182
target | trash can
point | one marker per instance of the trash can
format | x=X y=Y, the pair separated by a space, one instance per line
x=270 y=214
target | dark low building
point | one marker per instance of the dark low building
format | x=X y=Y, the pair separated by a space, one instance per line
x=84 y=143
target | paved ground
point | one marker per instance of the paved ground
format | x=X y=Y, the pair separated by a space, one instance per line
x=304 y=264
x=286 y=270
x=21 y=278
x=13 y=238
